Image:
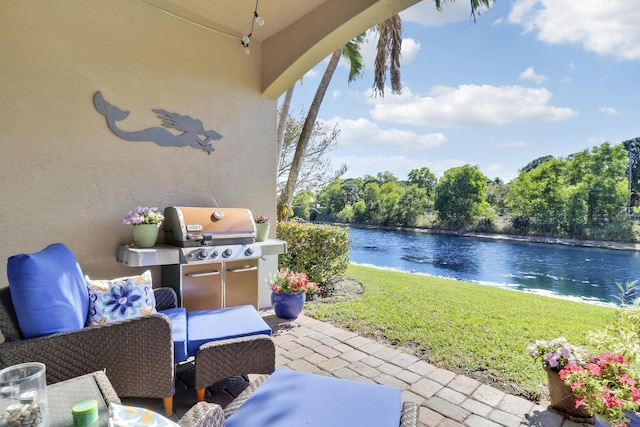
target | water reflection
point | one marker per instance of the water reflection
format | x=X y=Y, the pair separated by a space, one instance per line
x=584 y=273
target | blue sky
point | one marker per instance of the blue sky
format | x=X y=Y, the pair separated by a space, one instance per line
x=529 y=78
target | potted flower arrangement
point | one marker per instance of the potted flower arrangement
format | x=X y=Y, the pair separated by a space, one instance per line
x=554 y=356
x=262 y=227
x=145 y=224
x=289 y=291
x=606 y=385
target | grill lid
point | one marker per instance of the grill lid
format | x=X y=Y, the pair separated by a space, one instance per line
x=191 y=226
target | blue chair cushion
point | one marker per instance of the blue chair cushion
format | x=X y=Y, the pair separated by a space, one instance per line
x=178 y=317
x=232 y=322
x=48 y=291
x=279 y=403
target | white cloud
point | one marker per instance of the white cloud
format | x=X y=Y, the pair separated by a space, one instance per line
x=606 y=27
x=426 y=13
x=608 y=110
x=566 y=80
x=336 y=94
x=494 y=168
x=469 y=105
x=311 y=74
x=363 y=133
x=530 y=74
x=510 y=144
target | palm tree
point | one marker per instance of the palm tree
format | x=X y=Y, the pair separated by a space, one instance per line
x=350 y=51
x=390 y=45
x=387 y=58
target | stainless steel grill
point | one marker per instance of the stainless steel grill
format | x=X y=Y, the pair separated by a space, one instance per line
x=218 y=264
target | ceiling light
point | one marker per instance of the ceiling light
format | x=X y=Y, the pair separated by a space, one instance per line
x=257 y=20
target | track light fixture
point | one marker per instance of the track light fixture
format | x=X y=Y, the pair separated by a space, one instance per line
x=257 y=20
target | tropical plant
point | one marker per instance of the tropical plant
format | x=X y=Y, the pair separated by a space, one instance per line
x=606 y=386
x=622 y=334
x=350 y=51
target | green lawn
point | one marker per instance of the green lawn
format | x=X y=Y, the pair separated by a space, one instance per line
x=461 y=326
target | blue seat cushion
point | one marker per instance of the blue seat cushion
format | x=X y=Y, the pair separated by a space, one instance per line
x=48 y=291
x=178 y=317
x=204 y=326
x=277 y=403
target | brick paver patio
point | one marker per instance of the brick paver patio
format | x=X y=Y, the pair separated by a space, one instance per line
x=446 y=399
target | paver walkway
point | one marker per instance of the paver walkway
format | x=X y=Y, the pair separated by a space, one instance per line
x=447 y=399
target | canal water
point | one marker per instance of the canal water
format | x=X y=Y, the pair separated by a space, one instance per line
x=585 y=274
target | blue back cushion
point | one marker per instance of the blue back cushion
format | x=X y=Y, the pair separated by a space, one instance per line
x=48 y=291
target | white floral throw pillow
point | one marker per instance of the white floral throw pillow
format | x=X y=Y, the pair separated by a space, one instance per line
x=119 y=299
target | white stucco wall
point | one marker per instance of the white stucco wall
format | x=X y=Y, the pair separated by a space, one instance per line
x=64 y=177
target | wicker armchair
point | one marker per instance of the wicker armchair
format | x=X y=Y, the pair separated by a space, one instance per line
x=137 y=354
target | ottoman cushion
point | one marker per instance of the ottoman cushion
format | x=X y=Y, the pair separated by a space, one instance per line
x=232 y=322
x=292 y=399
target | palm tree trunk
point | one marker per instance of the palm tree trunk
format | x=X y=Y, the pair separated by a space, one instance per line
x=287 y=194
x=282 y=120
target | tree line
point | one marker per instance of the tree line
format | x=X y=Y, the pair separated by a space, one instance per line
x=584 y=195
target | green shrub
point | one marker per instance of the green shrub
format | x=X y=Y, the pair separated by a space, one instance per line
x=321 y=251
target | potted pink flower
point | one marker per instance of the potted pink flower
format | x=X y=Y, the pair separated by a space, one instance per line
x=607 y=386
x=554 y=355
x=289 y=291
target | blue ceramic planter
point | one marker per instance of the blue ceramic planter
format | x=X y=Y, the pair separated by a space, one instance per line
x=635 y=420
x=287 y=306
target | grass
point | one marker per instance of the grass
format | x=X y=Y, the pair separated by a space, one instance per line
x=461 y=326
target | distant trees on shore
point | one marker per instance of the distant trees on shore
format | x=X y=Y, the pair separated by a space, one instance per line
x=584 y=196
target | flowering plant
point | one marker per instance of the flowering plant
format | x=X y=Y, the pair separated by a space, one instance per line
x=261 y=219
x=557 y=353
x=143 y=215
x=292 y=282
x=605 y=386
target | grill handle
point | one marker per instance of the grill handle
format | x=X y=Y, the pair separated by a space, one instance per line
x=208 y=273
x=241 y=270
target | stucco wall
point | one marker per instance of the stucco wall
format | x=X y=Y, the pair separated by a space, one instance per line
x=64 y=177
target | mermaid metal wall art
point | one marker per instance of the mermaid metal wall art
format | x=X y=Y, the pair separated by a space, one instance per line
x=193 y=132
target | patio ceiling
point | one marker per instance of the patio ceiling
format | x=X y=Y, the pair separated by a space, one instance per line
x=297 y=34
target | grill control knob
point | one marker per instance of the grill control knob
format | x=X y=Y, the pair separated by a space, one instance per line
x=248 y=251
x=214 y=254
x=227 y=253
x=202 y=254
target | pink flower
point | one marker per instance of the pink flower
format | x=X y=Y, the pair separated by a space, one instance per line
x=626 y=379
